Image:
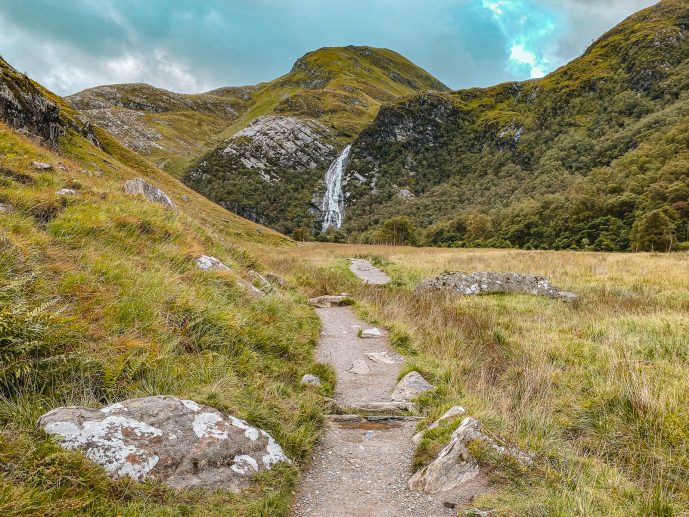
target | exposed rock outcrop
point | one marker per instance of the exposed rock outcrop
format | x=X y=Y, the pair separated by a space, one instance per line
x=412 y=385
x=491 y=283
x=178 y=442
x=455 y=465
x=281 y=142
x=207 y=263
x=453 y=412
x=140 y=187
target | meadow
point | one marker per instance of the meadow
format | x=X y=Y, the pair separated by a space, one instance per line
x=598 y=389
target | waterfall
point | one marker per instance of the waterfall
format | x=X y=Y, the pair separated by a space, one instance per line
x=333 y=201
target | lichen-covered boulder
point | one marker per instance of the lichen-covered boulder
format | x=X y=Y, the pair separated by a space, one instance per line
x=412 y=385
x=178 y=442
x=491 y=283
x=140 y=187
x=206 y=263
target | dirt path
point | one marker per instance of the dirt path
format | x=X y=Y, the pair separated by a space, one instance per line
x=361 y=469
x=368 y=272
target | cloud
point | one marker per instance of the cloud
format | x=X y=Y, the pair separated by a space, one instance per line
x=191 y=45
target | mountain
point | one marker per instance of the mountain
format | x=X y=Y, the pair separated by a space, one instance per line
x=271 y=167
x=593 y=156
x=169 y=129
x=102 y=300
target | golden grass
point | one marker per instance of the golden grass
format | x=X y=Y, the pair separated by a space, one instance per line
x=599 y=389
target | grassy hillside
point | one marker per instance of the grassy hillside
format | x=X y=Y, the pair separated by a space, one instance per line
x=590 y=157
x=341 y=88
x=596 y=389
x=101 y=300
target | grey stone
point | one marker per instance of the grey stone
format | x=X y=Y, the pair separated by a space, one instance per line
x=455 y=465
x=185 y=198
x=381 y=358
x=275 y=279
x=178 y=442
x=477 y=512
x=263 y=283
x=41 y=166
x=207 y=263
x=371 y=333
x=412 y=385
x=310 y=379
x=140 y=187
x=491 y=283
x=453 y=412
x=250 y=288
x=66 y=192
x=5 y=208
x=325 y=302
x=359 y=367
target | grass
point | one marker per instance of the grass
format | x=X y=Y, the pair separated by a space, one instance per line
x=597 y=389
x=100 y=301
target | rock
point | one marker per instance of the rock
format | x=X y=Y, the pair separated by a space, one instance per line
x=41 y=166
x=382 y=407
x=380 y=357
x=453 y=412
x=280 y=142
x=325 y=302
x=476 y=512
x=210 y=264
x=178 y=442
x=311 y=380
x=5 y=208
x=275 y=279
x=455 y=465
x=359 y=367
x=490 y=283
x=371 y=333
x=140 y=187
x=185 y=198
x=264 y=284
x=66 y=192
x=412 y=385
x=250 y=288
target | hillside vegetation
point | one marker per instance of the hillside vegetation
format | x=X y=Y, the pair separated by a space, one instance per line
x=101 y=300
x=593 y=156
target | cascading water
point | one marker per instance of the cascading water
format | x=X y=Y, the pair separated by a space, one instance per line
x=333 y=201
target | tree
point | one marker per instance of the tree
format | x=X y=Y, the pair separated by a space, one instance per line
x=398 y=231
x=301 y=233
x=653 y=231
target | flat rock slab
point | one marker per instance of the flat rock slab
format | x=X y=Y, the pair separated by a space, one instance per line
x=493 y=283
x=141 y=187
x=327 y=301
x=367 y=272
x=178 y=442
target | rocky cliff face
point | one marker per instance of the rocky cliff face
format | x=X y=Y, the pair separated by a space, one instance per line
x=27 y=107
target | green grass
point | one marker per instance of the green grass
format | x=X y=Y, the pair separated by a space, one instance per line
x=100 y=301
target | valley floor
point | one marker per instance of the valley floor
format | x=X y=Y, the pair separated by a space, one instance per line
x=596 y=389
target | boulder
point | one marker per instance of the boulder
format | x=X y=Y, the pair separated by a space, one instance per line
x=359 y=367
x=380 y=407
x=412 y=385
x=277 y=280
x=491 y=283
x=263 y=283
x=178 y=442
x=250 y=288
x=453 y=412
x=371 y=333
x=455 y=465
x=328 y=301
x=140 y=187
x=5 y=208
x=66 y=192
x=207 y=263
x=40 y=166
x=310 y=380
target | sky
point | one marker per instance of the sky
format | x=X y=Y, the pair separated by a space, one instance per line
x=197 y=45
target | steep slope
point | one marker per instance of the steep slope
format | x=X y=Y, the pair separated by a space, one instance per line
x=169 y=129
x=272 y=165
x=101 y=300
x=591 y=156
